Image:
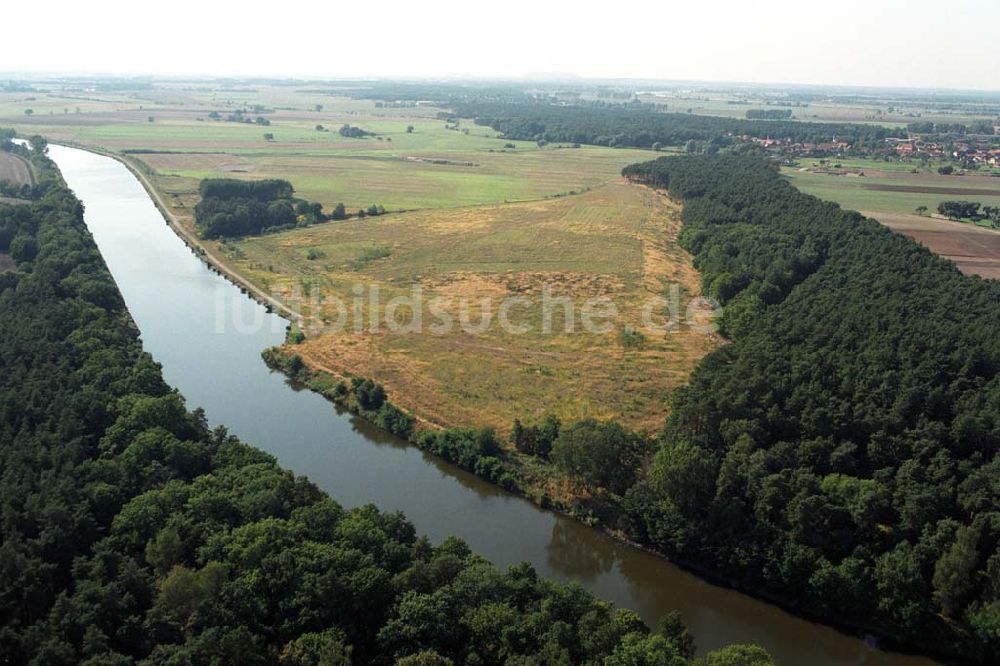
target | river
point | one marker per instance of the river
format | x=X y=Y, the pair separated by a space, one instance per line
x=208 y=336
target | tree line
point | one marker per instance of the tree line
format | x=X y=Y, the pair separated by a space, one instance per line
x=970 y=210
x=131 y=532
x=642 y=127
x=769 y=114
x=927 y=127
x=840 y=452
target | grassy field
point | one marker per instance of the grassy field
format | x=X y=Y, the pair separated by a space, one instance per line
x=883 y=190
x=616 y=241
x=403 y=180
x=896 y=192
x=428 y=166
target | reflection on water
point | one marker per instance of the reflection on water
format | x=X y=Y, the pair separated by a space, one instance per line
x=174 y=299
x=571 y=552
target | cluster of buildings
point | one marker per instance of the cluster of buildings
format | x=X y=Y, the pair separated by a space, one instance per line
x=981 y=153
x=968 y=152
x=787 y=148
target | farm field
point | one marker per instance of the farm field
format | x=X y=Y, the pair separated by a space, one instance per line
x=894 y=191
x=874 y=108
x=14 y=169
x=615 y=242
x=892 y=196
x=976 y=251
x=414 y=161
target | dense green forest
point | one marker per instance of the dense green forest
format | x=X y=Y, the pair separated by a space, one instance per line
x=840 y=452
x=231 y=208
x=132 y=532
x=642 y=127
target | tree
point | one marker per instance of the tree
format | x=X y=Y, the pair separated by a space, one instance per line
x=954 y=579
x=268 y=136
x=685 y=474
x=370 y=395
x=921 y=210
x=318 y=108
x=326 y=648
x=599 y=454
x=739 y=655
x=535 y=440
x=424 y=658
x=339 y=212
x=645 y=650
x=409 y=129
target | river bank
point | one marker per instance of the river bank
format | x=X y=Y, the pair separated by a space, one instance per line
x=519 y=476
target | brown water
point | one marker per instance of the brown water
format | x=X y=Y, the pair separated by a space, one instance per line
x=208 y=336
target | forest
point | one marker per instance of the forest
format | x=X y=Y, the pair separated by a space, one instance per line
x=840 y=453
x=231 y=208
x=131 y=532
x=642 y=127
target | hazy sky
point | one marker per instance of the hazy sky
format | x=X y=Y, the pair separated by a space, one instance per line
x=918 y=43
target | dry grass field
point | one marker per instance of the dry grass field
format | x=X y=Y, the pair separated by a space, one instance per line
x=616 y=242
x=14 y=169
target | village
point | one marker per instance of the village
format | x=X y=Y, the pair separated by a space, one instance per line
x=967 y=152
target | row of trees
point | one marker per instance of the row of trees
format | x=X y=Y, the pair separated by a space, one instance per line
x=928 y=127
x=769 y=114
x=130 y=532
x=970 y=210
x=840 y=453
x=642 y=127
